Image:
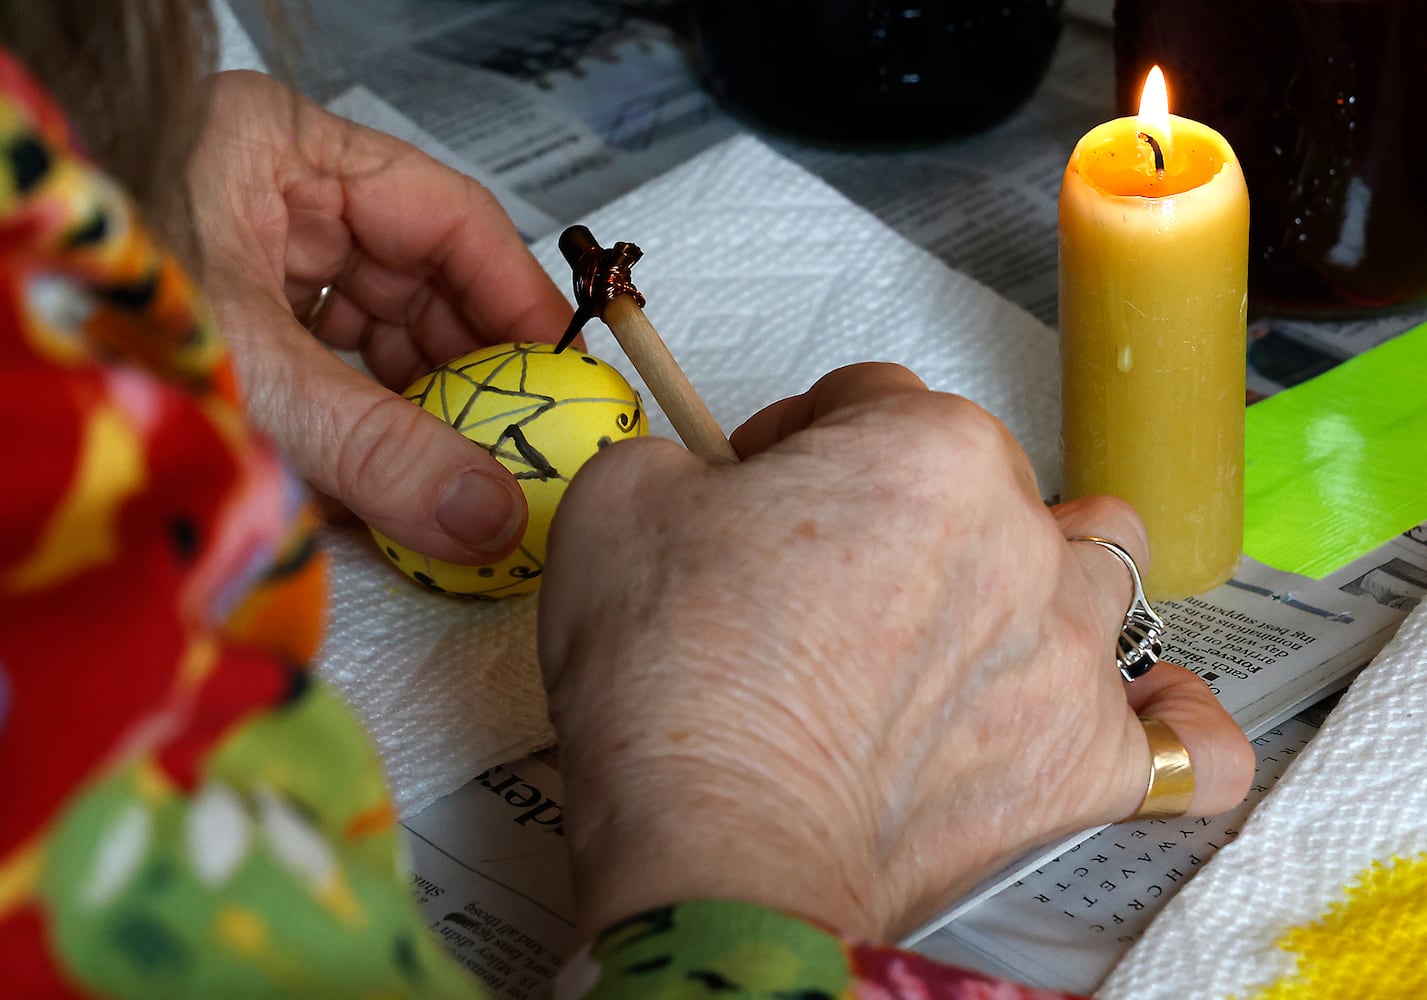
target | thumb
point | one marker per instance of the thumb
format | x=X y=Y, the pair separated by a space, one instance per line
x=400 y=469
x=1221 y=755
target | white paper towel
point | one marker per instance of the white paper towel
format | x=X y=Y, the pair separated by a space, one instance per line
x=760 y=277
x=1357 y=797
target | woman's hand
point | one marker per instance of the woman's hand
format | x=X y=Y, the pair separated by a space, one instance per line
x=424 y=266
x=850 y=676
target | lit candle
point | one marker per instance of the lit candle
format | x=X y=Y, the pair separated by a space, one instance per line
x=1154 y=231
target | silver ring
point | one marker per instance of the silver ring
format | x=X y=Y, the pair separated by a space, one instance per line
x=318 y=309
x=1139 y=647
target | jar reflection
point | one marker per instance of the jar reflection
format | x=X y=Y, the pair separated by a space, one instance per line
x=1323 y=102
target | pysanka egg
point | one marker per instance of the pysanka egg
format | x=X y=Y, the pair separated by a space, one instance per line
x=542 y=415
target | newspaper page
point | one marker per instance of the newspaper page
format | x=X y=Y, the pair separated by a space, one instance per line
x=490 y=872
x=1282 y=352
x=569 y=103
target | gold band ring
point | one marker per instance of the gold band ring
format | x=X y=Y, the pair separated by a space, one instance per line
x=1171 y=782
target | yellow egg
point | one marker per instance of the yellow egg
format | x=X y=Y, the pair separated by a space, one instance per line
x=542 y=415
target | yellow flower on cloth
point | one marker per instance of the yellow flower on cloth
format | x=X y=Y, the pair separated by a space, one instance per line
x=1371 y=939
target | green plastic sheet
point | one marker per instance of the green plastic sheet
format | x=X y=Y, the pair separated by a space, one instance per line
x=1338 y=465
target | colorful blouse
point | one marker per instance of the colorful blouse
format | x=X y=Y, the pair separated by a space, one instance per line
x=185 y=811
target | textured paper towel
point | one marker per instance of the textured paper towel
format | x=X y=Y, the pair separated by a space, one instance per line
x=1356 y=797
x=761 y=278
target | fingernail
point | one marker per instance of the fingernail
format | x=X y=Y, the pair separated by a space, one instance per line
x=478 y=510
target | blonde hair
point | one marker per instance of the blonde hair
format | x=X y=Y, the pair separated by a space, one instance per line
x=128 y=73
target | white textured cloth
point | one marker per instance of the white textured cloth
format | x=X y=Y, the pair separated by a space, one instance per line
x=447 y=687
x=760 y=277
x=1309 y=900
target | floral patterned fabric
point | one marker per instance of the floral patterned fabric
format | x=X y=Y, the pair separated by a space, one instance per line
x=717 y=948
x=187 y=812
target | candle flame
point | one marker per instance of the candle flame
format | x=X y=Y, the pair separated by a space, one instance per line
x=1154 y=108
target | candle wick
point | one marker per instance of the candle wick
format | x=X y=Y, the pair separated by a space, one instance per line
x=1158 y=153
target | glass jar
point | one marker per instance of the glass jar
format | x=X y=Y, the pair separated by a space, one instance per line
x=1325 y=103
x=855 y=71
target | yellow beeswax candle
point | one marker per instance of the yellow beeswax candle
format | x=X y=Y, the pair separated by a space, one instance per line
x=1154 y=230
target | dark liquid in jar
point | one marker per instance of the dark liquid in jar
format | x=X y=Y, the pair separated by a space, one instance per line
x=1325 y=104
x=869 y=70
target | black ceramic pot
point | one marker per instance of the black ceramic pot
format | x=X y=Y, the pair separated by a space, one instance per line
x=856 y=71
